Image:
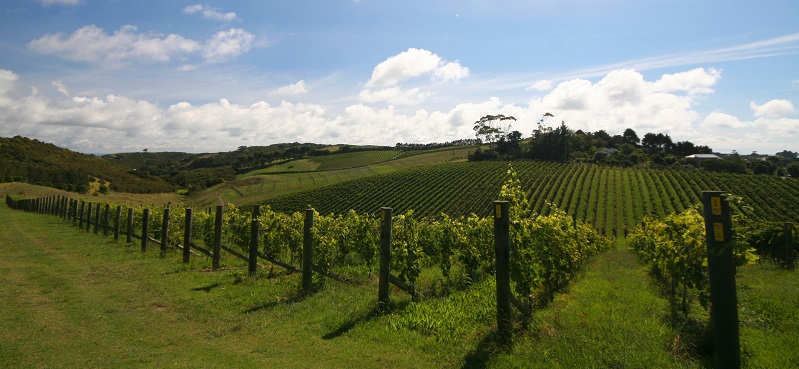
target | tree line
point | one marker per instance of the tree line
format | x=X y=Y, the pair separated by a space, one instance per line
x=563 y=144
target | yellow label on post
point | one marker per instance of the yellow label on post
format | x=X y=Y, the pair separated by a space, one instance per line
x=715 y=205
x=383 y=216
x=718 y=232
x=499 y=211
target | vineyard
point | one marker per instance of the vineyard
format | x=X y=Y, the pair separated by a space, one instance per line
x=611 y=199
x=548 y=249
x=449 y=258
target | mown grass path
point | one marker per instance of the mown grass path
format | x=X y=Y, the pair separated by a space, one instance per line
x=611 y=317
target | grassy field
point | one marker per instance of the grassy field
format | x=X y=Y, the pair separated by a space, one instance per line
x=72 y=299
x=258 y=186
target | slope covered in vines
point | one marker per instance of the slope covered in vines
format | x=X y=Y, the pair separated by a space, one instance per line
x=610 y=198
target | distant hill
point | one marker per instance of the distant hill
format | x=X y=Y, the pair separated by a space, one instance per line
x=32 y=161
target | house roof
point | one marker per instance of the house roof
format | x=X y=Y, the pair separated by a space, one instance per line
x=703 y=156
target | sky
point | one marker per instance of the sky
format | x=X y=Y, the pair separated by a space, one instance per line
x=124 y=76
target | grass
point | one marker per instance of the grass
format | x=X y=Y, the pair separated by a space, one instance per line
x=72 y=299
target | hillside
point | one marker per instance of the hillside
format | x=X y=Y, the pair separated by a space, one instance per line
x=32 y=161
x=610 y=198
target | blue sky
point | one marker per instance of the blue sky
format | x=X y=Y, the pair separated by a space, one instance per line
x=116 y=76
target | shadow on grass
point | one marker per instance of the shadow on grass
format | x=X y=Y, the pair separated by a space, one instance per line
x=207 y=288
x=488 y=347
x=363 y=318
x=272 y=304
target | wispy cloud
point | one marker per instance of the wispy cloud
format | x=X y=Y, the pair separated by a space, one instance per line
x=210 y=12
x=783 y=45
x=777 y=46
x=60 y=2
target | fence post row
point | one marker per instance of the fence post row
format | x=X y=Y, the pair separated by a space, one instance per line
x=383 y=287
x=186 y=237
x=307 y=252
x=255 y=229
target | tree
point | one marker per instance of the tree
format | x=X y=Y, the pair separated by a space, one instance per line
x=631 y=137
x=657 y=143
x=551 y=145
x=488 y=128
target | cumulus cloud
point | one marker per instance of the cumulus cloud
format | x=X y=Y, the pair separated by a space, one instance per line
x=695 y=81
x=452 y=71
x=297 y=88
x=209 y=12
x=414 y=63
x=773 y=109
x=718 y=120
x=92 y=44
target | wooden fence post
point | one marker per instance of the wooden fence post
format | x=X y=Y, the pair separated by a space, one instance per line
x=65 y=208
x=118 y=219
x=145 y=228
x=187 y=237
x=106 y=219
x=217 y=237
x=97 y=219
x=165 y=232
x=383 y=287
x=788 y=236
x=502 y=250
x=81 y=213
x=89 y=216
x=129 y=230
x=255 y=229
x=307 y=252
x=721 y=275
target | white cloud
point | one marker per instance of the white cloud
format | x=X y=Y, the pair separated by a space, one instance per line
x=405 y=65
x=228 y=44
x=394 y=95
x=61 y=88
x=59 y=2
x=542 y=85
x=622 y=99
x=93 y=45
x=452 y=71
x=717 y=120
x=773 y=109
x=695 y=81
x=209 y=12
x=297 y=88
x=414 y=63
